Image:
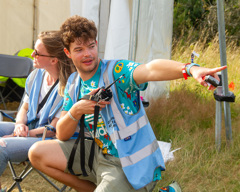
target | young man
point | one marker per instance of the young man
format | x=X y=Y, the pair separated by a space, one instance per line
x=127 y=156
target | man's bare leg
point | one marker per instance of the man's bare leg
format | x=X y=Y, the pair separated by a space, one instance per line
x=48 y=157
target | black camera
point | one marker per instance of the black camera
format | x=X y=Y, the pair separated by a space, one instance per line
x=104 y=93
x=211 y=80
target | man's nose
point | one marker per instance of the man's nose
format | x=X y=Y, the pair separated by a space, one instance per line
x=87 y=52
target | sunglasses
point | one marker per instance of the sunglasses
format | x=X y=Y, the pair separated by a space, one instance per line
x=36 y=54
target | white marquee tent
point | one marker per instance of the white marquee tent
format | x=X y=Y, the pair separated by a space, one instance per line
x=139 y=30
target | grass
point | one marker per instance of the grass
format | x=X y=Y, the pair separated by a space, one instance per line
x=187 y=118
x=188 y=121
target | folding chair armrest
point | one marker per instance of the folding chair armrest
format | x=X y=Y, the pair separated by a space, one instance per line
x=48 y=128
x=8 y=114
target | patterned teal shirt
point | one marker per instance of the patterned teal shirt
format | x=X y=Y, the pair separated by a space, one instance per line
x=128 y=95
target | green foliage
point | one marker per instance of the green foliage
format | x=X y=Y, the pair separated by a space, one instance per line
x=187 y=13
x=197 y=19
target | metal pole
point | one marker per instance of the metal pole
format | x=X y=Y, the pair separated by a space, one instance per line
x=222 y=45
x=218 y=125
x=134 y=29
x=35 y=21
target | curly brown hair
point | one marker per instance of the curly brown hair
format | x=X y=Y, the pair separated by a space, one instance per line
x=77 y=28
x=54 y=46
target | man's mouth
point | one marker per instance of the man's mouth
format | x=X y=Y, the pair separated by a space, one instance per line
x=87 y=61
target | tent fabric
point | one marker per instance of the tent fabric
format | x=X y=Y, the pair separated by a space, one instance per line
x=24 y=20
x=118 y=34
x=17 y=25
x=154 y=39
x=114 y=19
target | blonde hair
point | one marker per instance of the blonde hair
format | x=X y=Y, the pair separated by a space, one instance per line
x=54 y=46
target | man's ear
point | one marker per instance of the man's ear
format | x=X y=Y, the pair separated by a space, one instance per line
x=67 y=53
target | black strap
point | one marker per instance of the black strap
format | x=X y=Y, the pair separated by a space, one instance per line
x=40 y=106
x=81 y=139
x=91 y=157
x=72 y=155
x=82 y=147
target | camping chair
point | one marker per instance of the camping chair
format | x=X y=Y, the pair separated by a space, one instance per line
x=27 y=52
x=12 y=67
x=28 y=169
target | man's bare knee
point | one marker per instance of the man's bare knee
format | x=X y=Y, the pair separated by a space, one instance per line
x=43 y=154
x=35 y=154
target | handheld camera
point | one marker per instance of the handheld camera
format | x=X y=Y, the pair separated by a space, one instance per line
x=105 y=93
x=211 y=80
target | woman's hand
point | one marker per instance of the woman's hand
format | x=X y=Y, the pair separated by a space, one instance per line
x=199 y=73
x=5 y=136
x=21 y=130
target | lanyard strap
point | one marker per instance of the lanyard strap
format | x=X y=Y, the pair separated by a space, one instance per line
x=81 y=139
x=40 y=106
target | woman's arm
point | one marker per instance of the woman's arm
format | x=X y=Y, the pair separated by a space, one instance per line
x=21 y=129
x=38 y=132
x=22 y=114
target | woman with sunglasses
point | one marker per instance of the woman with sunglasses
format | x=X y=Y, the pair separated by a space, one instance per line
x=42 y=102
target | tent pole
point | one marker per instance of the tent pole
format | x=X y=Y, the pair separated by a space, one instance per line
x=35 y=21
x=134 y=30
x=222 y=45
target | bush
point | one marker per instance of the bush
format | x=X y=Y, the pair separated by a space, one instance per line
x=197 y=19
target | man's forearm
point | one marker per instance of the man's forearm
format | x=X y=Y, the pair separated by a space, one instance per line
x=65 y=127
x=158 y=70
